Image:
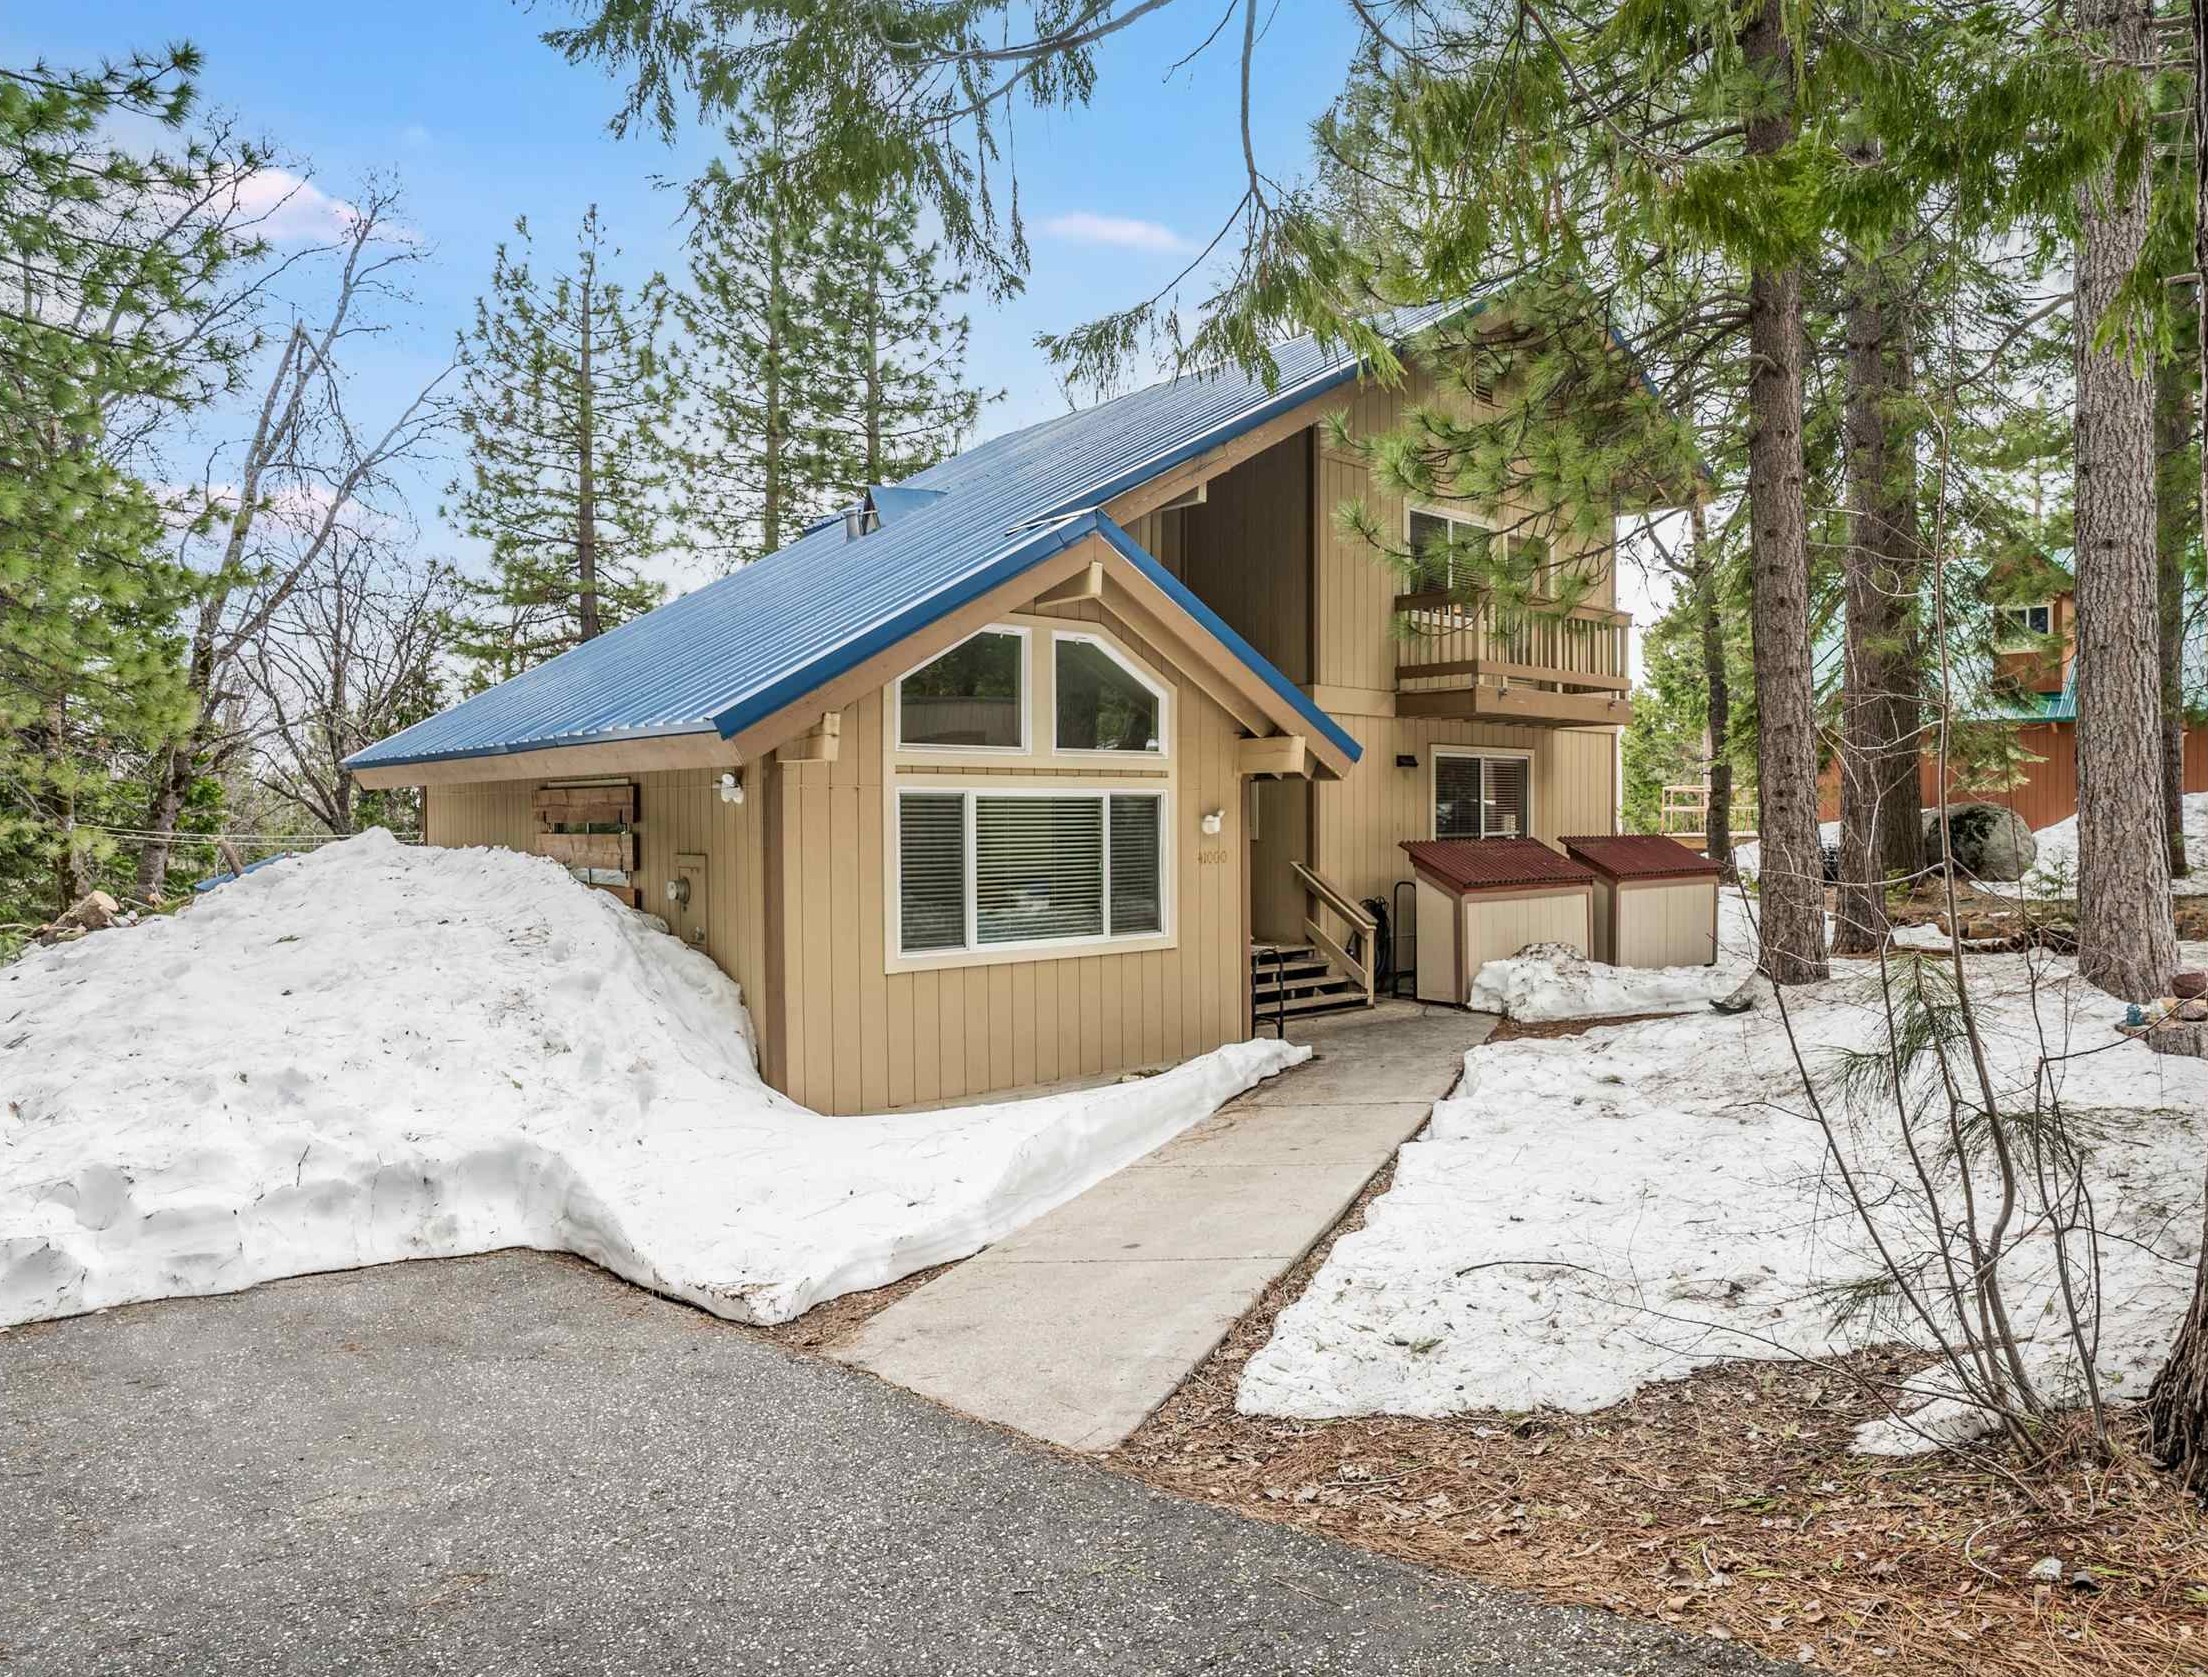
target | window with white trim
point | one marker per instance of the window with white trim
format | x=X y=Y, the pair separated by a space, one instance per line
x=971 y=698
x=979 y=870
x=1480 y=796
x=2021 y=624
x=1103 y=702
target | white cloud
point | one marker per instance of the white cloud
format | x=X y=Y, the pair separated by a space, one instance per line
x=1120 y=231
x=290 y=209
x=414 y=137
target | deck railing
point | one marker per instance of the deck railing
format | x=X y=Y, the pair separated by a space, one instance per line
x=1322 y=896
x=1447 y=641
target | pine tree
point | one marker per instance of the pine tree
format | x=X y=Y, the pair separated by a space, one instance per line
x=754 y=365
x=2126 y=942
x=896 y=398
x=117 y=314
x=566 y=406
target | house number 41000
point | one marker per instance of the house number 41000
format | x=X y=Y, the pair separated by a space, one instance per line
x=1213 y=858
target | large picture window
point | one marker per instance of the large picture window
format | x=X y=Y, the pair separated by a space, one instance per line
x=987 y=870
x=1478 y=796
x=1102 y=703
x=972 y=698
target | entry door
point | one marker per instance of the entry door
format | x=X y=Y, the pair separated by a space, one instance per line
x=1280 y=822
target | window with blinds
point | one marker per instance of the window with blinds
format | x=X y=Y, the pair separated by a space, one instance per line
x=931 y=872
x=1482 y=797
x=983 y=870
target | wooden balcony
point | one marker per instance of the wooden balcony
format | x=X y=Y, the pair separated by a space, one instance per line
x=1541 y=669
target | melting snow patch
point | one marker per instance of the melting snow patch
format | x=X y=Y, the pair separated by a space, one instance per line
x=1591 y=1214
x=2055 y=873
x=376 y=1053
x=1552 y=981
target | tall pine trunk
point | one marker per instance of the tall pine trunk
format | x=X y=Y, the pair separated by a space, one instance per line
x=770 y=396
x=2177 y=1402
x=1792 y=918
x=1881 y=831
x=2177 y=522
x=586 y=488
x=873 y=397
x=1717 y=836
x=2126 y=943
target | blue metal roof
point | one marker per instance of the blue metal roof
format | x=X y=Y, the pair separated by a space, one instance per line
x=737 y=650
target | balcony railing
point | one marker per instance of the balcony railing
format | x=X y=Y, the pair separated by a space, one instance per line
x=1567 y=667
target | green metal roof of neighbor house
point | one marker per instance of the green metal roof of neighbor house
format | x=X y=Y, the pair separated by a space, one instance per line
x=738 y=650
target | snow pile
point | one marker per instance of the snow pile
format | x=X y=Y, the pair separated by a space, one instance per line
x=2055 y=874
x=1591 y=1214
x=375 y=1053
x=1552 y=981
x=1748 y=858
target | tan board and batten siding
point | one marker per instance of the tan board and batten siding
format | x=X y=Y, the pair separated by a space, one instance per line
x=841 y=1033
x=795 y=878
x=1328 y=624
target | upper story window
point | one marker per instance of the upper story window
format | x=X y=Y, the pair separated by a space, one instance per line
x=1436 y=539
x=972 y=698
x=2019 y=622
x=1102 y=702
x=1480 y=796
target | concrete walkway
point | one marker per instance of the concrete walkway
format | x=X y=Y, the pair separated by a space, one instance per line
x=1079 y=1325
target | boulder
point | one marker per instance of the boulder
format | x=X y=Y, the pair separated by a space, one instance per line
x=1987 y=841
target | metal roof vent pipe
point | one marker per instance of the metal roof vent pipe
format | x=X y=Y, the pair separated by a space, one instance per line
x=859 y=521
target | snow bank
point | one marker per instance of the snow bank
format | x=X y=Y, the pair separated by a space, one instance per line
x=2055 y=874
x=1748 y=858
x=375 y=1053
x=1591 y=1214
x=1552 y=982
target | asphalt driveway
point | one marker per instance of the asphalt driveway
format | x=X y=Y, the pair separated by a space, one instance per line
x=518 y=1465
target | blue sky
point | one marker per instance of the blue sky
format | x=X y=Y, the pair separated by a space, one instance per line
x=481 y=122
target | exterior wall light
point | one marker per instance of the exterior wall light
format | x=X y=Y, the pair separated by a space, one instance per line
x=732 y=789
x=1215 y=822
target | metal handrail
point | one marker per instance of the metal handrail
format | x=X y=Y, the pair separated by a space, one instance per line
x=1279 y=959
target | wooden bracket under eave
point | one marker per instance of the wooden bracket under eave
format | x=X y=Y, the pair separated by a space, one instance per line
x=823 y=744
x=1276 y=756
x=1084 y=584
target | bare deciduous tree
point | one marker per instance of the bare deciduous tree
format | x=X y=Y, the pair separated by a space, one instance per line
x=349 y=657
x=296 y=488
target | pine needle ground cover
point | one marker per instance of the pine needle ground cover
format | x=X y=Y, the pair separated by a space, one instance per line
x=1725 y=1504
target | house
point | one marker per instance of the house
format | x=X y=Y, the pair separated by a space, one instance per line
x=1011 y=773
x=2029 y=690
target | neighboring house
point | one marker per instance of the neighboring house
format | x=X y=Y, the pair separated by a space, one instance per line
x=2031 y=686
x=1000 y=778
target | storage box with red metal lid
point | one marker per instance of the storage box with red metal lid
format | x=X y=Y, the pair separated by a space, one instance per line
x=1655 y=901
x=1482 y=900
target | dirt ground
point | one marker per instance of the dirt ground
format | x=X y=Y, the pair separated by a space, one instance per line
x=1985 y=914
x=1725 y=1504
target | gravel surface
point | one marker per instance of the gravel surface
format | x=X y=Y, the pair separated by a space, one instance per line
x=516 y=1464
